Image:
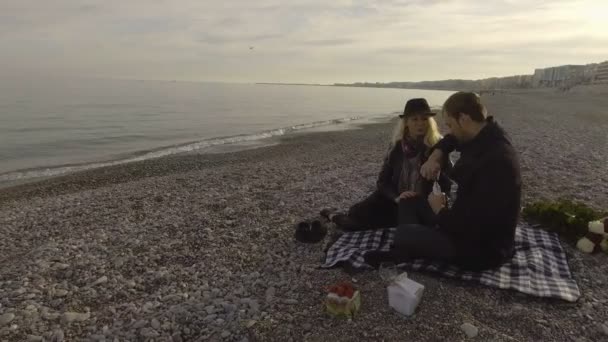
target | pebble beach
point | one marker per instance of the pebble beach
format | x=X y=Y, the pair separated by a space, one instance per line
x=200 y=247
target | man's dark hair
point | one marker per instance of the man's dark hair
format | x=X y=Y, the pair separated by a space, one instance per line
x=465 y=103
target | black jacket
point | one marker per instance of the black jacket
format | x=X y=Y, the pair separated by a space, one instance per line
x=483 y=218
x=388 y=180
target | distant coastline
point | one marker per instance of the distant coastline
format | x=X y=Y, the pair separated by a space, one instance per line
x=562 y=77
x=295 y=84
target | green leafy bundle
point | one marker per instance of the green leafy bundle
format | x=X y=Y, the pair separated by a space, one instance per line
x=567 y=218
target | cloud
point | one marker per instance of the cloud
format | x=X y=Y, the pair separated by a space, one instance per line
x=329 y=42
x=227 y=39
x=298 y=40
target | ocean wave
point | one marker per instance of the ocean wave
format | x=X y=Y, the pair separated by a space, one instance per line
x=167 y=151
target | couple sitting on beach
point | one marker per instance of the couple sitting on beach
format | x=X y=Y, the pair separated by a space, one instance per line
x=477 y=231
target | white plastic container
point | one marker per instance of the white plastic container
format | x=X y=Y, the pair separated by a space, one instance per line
x=404 y=294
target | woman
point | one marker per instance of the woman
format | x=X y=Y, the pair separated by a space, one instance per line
x=401 y=192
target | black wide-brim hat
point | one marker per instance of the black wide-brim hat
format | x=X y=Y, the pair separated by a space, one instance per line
x=416 y=107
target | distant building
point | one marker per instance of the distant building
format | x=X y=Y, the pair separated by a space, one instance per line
x=601 y=73
x=560 y=76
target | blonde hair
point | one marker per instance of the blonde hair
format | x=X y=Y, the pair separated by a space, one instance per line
x=431 y=137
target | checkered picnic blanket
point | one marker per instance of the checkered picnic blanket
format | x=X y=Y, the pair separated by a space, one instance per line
x=539 y=267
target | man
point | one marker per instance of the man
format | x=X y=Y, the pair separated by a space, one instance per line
x=478 y=231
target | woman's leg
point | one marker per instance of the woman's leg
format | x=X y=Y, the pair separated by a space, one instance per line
x=408 y=211
x=416 y=210
x=374 y=212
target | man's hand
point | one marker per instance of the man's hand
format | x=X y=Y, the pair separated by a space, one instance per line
x=431 y=168
x=406 y=195
x=437 y=202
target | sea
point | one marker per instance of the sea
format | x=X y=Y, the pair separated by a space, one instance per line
x=50 y=127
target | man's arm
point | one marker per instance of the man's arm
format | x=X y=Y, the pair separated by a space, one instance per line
x=493 y=194
x=446 y=145
x=430 y=169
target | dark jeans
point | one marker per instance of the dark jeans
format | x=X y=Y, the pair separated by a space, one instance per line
x=419 y=241
x=376 y=211
x=414 y=240
x=417 y=235
x=416 y=211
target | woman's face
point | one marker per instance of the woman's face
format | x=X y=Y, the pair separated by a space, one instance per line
x=417 y=125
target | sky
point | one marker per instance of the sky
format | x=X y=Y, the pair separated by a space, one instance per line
x=314 y=41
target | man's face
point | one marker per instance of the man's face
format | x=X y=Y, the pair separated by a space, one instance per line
x=454 y=127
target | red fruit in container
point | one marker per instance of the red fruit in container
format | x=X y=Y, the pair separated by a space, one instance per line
x=343 y=300
x=349 y=293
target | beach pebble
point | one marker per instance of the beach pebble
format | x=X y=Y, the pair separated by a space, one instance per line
x=19 y=291
x=50 y=316
x=229 y=307
x=34 y=338
x=69 y=317
x=604 y=328
x=148 y=307
x=270 y=292
x=470 y=330
x=6 y=319
x=140 y=324
x=172 y=298
x=60 y=293
x=254 y=305
x=149 y=333
x=155 y=324
x=101 y=280
x=58 y=336
x=97 y=338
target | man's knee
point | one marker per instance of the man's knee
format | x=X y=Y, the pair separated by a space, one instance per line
x=409 y=235
x=422 y=241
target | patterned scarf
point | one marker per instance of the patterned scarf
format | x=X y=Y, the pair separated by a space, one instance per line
x=410 y=179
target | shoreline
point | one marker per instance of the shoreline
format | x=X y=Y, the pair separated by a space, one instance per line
x=213 y=145
x=201 y=245
x=95 y=177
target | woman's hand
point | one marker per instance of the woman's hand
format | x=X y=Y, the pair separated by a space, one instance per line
x=437 y=202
